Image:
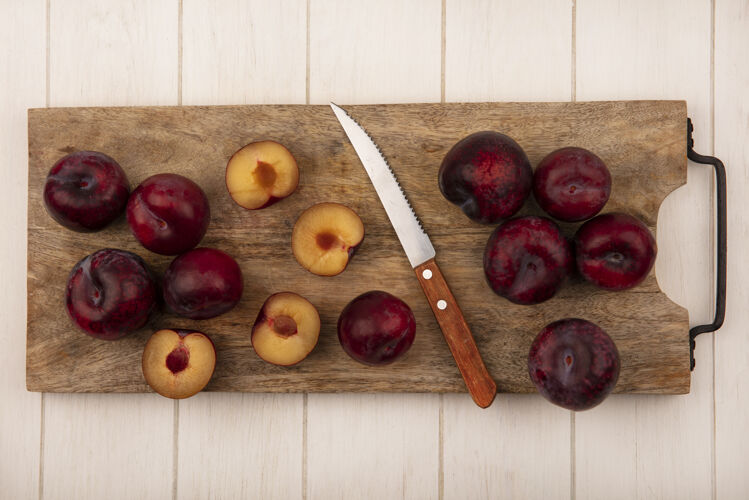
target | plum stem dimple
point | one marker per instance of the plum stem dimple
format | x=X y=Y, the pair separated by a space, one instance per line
x=573 y=188
x=98 y=294
x=568 y=360
x=285 y=326
x=616 y=257
x=178 y=359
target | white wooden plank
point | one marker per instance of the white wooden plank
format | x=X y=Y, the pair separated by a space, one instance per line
x=242 y=445
x=107 y=446
x=22 y=80
x=491 y=50
x=375 y=52
x=732 y=341
x=655 y=447
x=517 y=448
x=374 y=446
x=113 y=54
x=110 y=446
x=513 y=50
x=237 y=52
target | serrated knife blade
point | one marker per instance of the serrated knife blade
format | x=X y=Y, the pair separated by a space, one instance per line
x=421 y=255
x=407 y=226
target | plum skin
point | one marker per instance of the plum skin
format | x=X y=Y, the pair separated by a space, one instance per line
x=488 y=175
x=110 y=293
x=527 y=259
x=571 y=184
x=615 y=251
x=574 y=363
x=85 y=191
x=202 y=283
x=168 y=214
x=376 y=328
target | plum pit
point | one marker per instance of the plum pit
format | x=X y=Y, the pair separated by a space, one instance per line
x=178 y=359
x=326 y=240
x=284 y=325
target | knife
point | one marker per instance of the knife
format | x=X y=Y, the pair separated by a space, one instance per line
x=421 y=254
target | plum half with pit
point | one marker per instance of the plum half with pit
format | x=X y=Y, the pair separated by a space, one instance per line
x=574 y=363
x=527 y=259
x=487 y=175
x=178 y=363
x=85 y=191
x=168 y=214
x=203 y=283
x=615 y=251
x=571 y=184
x=260 y=174
x=376 y=328
x=110 y=293
x=286 y=329
x=325 y=238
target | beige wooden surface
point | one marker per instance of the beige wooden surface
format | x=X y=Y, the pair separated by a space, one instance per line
x=74 y=52
x=731 y=114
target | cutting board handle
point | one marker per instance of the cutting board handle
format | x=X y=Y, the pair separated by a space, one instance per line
x=720 y=202
x=480 y=384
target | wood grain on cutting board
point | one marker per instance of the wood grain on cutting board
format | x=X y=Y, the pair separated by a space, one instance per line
x=641 y=141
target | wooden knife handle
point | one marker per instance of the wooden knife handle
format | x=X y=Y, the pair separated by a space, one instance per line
x=478 y=381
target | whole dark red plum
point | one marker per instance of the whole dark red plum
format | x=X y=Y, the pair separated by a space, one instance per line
x=85 y=191
x=203 y=283
x=168 y=214
x=527 y=259
x=614 y=251
x=487 y=175
x=110 y=293
x=571 y=184
x=376 y=328
x=574 y=364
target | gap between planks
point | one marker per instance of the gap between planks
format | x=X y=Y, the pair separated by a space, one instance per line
x=573 y=98
x=712 y=256
x=175 y=450
x=306 y=395
x=47 y=11
x=175 y=424
x=441 y=437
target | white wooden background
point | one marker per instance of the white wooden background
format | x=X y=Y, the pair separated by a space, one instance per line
x=143 y=52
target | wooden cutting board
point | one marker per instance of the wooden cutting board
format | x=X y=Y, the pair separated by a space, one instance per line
x=642 y=142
